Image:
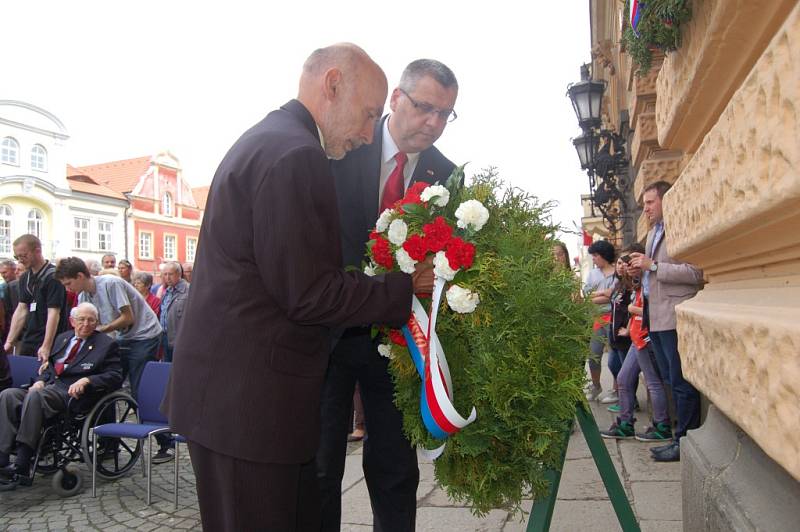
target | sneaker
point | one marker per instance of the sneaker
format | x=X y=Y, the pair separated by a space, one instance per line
x=610 y=397
x=614 y=409
x=163 y=455
x=621 y=430
x=593 y=392
x=659 y=432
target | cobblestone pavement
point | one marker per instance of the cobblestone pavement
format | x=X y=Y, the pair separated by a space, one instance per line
x=582 y=504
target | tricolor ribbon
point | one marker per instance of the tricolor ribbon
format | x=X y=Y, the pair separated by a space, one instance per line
x=436 y=395
x=637 y=8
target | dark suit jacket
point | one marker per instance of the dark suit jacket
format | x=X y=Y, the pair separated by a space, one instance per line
x=268 y=288
x=357 y=182
x=98 y=359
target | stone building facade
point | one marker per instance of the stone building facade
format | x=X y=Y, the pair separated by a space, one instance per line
x=720 y=118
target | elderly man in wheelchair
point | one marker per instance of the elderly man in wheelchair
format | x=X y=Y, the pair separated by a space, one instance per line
x=82 y=363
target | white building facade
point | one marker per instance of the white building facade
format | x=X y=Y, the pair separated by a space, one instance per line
x=75 y=216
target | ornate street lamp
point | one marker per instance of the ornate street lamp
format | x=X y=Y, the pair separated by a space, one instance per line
x=586 y=146
x=587 y=99
x=606 y=170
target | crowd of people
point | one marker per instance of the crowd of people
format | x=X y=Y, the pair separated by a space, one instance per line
x=55 y=311
x=636 y=294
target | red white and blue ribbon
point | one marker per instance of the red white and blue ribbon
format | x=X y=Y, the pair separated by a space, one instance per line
x=436 y=396
x=637 y=8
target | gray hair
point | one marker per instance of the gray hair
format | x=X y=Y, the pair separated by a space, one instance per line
x=144 y=277
x=84 y=306
x=9 y=263
x=176 y=266
x=416 y=70
x=93 y=266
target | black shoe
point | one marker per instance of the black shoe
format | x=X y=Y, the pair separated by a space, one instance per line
x=671 y=454
x=163 y=455
x=661 y=448
x=12 y=470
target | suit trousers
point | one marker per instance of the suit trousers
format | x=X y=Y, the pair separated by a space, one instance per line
x=687 y=398
x=23 y=412
x=389 y=460
x=236 y=494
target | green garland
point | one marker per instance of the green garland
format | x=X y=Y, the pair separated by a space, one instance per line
x=519 y=358
x=659 y=27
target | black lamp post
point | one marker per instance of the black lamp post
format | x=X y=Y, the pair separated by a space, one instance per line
x=606 y=170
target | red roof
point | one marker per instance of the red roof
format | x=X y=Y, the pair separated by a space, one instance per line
x=200 y=196
x=80 y=181
x=120 y=176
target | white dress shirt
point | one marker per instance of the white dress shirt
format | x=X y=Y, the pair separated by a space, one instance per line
x=388 y=151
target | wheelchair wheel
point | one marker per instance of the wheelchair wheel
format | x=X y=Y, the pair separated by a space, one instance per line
x=117 y=456
x=67 y=481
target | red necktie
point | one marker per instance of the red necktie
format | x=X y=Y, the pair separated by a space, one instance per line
x=395 y=186
x=74 y=351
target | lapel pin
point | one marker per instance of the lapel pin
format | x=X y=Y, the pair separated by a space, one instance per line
x=430 y=172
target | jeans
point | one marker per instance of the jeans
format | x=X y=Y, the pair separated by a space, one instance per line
x=687 y=398
x=596 y=346
x=627 y=380
x=135 y=354
x=167 y=348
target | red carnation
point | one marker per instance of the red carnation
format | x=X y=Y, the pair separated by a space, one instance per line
x=382 y=252
x=437 y=234
x=416 y=247
x=397 y=337
x=413 y=192
x=459 y=254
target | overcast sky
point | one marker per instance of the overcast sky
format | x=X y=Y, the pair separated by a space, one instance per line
x=129 y=79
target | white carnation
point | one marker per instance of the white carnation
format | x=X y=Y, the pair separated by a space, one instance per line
x=441 y=267
x=385 y=350
x=472 y=214
x=383 y=220
x=462 y=300
x=405 y=261
x=441 y=194
x=398 y=230
x=369 y=269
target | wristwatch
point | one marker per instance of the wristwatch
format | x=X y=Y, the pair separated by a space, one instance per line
x=654 y=267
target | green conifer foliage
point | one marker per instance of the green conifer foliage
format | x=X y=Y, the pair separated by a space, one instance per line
x=519 y=358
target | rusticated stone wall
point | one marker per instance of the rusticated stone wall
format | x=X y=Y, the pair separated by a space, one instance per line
x=720 y=44
x=735 y=212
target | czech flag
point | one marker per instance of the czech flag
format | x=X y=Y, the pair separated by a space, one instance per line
x=637 y=8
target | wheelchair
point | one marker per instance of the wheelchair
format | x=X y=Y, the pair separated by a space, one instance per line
x=66 y=438
x=66 y=441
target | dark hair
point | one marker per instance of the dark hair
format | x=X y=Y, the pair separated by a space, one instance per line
x=70 y=267
x=636 y=247
x=604 y=249
x=660 y=187
x=144 y=277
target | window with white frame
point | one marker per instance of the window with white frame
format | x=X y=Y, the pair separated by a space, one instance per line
x=39 y=158
x=9 y=151
x=170 y=247
x=81 y=229
x=35 y=218
x=166 y=204
x=191 y=248
x=5 y=229
x=104 y=229
x=145 y=245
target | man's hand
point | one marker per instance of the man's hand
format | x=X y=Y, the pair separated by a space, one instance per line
x=7 y=347
x=78 y=387
x=640 y=261
x=622 y=331
x=43 y=354
x=43 y=367
x=423 y=276
x=38 y=385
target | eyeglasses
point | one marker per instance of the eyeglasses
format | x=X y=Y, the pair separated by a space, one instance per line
x=427 y=109
x=85 y=320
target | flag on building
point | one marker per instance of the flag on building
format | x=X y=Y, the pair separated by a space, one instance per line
x=637 y=8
